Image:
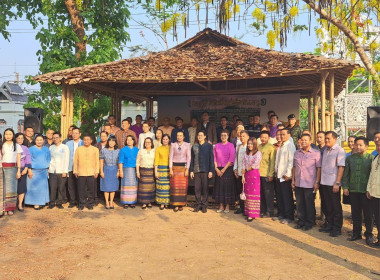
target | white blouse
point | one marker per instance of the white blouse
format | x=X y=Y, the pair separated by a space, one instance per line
x=9 y=154
x=145 y=158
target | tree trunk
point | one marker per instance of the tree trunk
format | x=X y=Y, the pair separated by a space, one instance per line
x=78 y=27
x=358 y=46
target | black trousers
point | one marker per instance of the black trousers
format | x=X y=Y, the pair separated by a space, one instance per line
x=375 y=206
x=305 y=206
x=323 y=201
x=72 y=188
x=361 y=205
x=86 y=190
x=266 y=196
x=201 y=188
x=239 y=189
x=334 y=214
x=57 y=186
x=285 y=200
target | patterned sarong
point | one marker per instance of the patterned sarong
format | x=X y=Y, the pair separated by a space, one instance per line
x=10 y=188
x=178 y=186
x=146 y=192
x=163 y=185
x=128 y=190
x=252 y=192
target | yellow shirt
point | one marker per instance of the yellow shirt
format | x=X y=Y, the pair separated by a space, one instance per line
x=86 y=161
x=268 y=160
x=162 y=156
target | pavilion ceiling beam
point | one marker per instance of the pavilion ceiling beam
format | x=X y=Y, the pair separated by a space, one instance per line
x=201 y=85
x=218 y=92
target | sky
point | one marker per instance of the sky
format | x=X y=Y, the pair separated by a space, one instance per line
x=19 y=54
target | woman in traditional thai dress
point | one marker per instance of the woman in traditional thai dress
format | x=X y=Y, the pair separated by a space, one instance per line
x=251 y=180
x=179 y=163
x=127 y=172
x=145 y=172
x=161 y=170
x=109 y=172
x=158 y=141
x=25 y=165
x=11 y=162
x=37 y=183
x=224 y=189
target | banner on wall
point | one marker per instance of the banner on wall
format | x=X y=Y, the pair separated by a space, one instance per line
x=225 y=105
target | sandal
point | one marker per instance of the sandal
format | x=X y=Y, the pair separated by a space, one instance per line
x=125 y=206
x=149 y=205
x=10 y=213
x=175 y=209
x=219 y=211
x=143 y=207
x=180 y=208
x=162 y=207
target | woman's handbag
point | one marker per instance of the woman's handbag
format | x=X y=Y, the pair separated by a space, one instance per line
x=242 y=195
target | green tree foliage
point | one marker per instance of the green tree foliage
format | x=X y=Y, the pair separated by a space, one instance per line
x=76 y=33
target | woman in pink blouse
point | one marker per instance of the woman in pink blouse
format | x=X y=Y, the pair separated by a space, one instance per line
x=224 y=157
x=251 y=180
x=179 y=163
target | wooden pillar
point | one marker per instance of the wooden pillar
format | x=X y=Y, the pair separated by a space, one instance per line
x=323 y=102
x=332 y=108
x=309 y=113
x=328 y=116
x=316 y=121
x=149 y=108
x=118 y=114
x=70 y=106
x=64 y=127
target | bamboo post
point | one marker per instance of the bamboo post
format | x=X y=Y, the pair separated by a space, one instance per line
x=323 y=102
x=316 y=121
x=328 y=116
x=70 y=96
x=332 y=108
x=64 y=110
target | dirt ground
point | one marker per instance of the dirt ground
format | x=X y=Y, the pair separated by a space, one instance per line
x=153 y=244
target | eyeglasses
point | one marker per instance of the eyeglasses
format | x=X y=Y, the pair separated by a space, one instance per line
x=377 y=139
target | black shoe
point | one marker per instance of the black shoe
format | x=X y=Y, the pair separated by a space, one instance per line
x=306 y=228
x=143 y=207
x=369 y=240
x=90 y=207
x=355 y=237
x=72 y=205
x=125 y=206
x=298 y=226
x=204 y=209
x=375 y=245
x=80 y=207
x=249 y=219
x=59 y=206
x=175 y=209
x=112 y=207
x=180 y=208
x=132 y=206
x=51 y=205
x=149 y=205
x=335 y=233
x=326 y=230
x=238 y=211
x=20 y=209
x=261 y=215
x=196 y=209
x=279 y=218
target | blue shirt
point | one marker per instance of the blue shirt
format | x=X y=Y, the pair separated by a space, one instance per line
x=40 y=158
x=128 y=156
x=70 y=145
x=374 y=153
x=173 y=137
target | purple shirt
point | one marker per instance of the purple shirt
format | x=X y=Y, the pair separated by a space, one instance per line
x=25 y=157
x=273 y=131
x=180 y=154
x=331 y=160
x=224 y=154
x=306 y=165
x=137 y=130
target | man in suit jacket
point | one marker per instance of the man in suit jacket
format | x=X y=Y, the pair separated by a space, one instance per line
x=209 y=128
x=152 y=125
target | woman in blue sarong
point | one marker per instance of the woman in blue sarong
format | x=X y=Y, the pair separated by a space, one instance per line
x=37 y=183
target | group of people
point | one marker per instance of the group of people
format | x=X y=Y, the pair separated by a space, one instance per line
x=253 y=166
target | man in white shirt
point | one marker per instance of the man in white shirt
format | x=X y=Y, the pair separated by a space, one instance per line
x=283 y=171
x=58 y=169
x=146 y=133
x=238 y=166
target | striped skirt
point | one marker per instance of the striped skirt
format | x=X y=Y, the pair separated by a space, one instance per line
x=1 y=192
x=178 y=186
x=147 y=189
x=10 y=188
x=38 y=188
x=252 y=192
x=128 y=190
x=163 y=185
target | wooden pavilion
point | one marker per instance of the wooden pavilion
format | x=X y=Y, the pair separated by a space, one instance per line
x=210 y=63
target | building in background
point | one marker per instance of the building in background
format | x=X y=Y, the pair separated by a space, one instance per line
x=12 y=101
